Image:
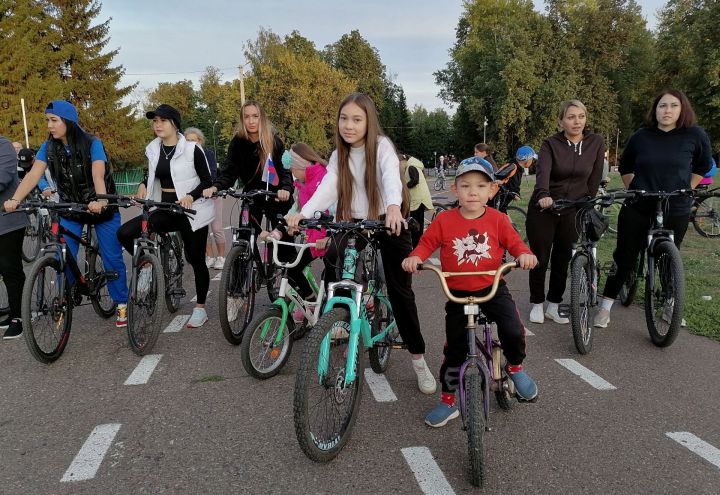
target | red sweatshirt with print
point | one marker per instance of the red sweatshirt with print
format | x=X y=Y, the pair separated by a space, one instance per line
x=470 y=245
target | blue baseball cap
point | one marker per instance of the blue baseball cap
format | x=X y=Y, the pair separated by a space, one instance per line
x=475 y=164
x=63 y=109
x=525 y=153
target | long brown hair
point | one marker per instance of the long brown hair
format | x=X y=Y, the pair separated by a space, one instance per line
x=307 y=152
x=345 y=180
x=265 y=132
x=687 y=114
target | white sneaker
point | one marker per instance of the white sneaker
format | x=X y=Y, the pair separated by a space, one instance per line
x=602 y=318
x=209 y=261
x=668 y=311
x=552 y=313
x=536 y=314
x=233 y=308
x=198 y=318
x=219 y=263
x=425 y=378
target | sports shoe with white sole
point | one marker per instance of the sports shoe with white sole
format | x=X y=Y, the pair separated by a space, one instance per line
x=425 y=378
x=536 y=314
x=198 y=318
x=602 y=318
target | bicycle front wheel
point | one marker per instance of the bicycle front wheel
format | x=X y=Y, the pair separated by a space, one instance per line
x=267 y=344
x=518 y=217
x=145 y=312
x=706 y=219
x=237 y=292
x=439 y=184
x=46 y=311
x=475 y=417
x=102 y=303
x=665 y=295
x=580 y=303
x=31 y=241
x=325 y=407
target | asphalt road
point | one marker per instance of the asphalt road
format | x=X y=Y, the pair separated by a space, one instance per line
x=202 y=425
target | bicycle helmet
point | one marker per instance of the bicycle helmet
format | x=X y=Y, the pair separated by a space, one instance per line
x=525 y=153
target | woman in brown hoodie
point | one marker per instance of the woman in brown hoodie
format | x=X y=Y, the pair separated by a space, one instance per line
x=569 y=166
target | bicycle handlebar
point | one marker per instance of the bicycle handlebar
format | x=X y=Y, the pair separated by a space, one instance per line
x=276 y=243
x=234 y=193
x=325 y=221
x=128 y=201
x=443 y=276
x=34 y=204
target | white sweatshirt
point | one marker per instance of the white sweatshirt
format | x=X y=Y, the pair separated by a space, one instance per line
x=388 y=181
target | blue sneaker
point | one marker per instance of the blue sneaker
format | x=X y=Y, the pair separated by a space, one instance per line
x=441 y=414
x=525 y=387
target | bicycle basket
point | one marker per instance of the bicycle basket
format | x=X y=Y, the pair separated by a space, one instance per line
x=595 y=224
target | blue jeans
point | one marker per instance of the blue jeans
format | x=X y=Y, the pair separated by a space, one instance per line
x=110 y=250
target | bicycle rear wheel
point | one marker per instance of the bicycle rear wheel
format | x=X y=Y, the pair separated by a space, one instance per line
x=262 y=356
x=237 y=292
x=145 y=311
x=102 y=303
x=580 y=303
x=475 y=417
x=31 y=241
x=706 y=219
x=172 y=260
x=439 y=184
x=518 y=217
x=629 y=288
x=324 y=406
x=665 y=296
x=46 y=314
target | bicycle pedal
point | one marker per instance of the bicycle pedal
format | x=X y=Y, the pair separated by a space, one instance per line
x=111 y=275
x=523 y=399
x=177 y=292
x=564 y=310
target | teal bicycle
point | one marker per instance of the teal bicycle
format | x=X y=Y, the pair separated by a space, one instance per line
x=268 y=340
x=330 y=373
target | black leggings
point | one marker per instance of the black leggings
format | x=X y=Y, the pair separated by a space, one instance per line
x=165 y=221
x=502 y=310
x=633 y=226
x=393 y=250
x=11 y=268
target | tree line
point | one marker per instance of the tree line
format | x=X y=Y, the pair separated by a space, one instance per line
x=510 y=66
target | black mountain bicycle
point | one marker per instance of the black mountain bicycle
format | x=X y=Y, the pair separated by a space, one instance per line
x=48 y=298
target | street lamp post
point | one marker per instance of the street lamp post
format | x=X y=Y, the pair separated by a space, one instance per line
x=242 y=82
x=214 y=140
x=485 y=123
x=617 y=147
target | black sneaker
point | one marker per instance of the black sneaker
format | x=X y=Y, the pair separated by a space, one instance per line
x=5 y=323
x=15 y=330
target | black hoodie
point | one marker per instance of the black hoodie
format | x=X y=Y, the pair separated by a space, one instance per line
x=566 y=170
x=665 y=161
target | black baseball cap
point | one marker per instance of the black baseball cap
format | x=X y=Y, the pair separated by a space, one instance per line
x=166 y=112
x=26 y=155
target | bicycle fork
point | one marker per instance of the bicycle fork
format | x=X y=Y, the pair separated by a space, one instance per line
x=473 y=360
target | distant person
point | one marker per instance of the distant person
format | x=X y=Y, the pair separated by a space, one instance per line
x=671 y=152
x=569 y=166
x=420 y=198
x=484 y=150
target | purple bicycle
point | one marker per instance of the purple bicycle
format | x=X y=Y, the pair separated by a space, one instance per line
x=482 y=372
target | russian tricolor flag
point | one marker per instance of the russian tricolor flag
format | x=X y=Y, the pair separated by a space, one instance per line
x=270 y=175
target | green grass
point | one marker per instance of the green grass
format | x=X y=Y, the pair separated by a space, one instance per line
x=701 y=258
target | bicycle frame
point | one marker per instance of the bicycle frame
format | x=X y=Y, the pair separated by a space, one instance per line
x=359 y=322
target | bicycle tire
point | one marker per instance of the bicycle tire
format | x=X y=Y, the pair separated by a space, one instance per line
x=254 y=351
x=102 y=303
x=439 y=184
x=580 y=303
x=145 y=310
x=31 y=241
x=629 y=288
x=518 y=218
x=172 y=263
x=706 y=218
x=668 y=290
x=36 y=308
x=237 y=292
x=475 y=417
x=318 y=445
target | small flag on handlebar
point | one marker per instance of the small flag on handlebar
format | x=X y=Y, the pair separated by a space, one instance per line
x=270 y=175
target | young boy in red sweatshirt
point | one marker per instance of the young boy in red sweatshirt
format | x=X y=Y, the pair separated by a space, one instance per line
x=473 y=237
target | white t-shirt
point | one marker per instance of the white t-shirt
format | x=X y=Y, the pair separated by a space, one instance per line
x=388 y=181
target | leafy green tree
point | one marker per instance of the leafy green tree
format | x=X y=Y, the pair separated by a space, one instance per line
x=394 y=116
x=689 y=57
x=180 y=95
x=90 y=81
x=431 y=135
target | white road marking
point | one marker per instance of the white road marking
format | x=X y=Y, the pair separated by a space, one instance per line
x=379 y=387
x=434 y=261
x=88 y=460
x=426 y=471
x=177 y=324
x=697 y=446
x=194 y=299
x=587 y=375
x=141 y=373
x=218 y=276
x=528 y=332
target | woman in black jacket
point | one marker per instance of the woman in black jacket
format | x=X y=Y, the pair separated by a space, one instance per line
x=668 y=154
x=569 y=167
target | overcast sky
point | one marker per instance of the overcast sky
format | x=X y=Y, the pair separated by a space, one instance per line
x=173 y=40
